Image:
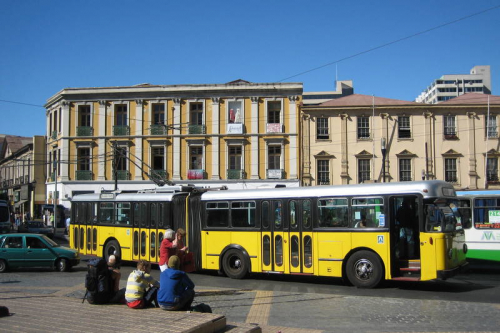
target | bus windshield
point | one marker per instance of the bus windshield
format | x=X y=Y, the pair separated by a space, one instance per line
x=442 y=216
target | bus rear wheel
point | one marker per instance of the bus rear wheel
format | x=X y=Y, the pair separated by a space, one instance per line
x=234 y=264
x=112 y=247
x=364 y=269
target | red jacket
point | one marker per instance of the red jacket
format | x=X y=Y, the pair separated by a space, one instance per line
x=167 y=250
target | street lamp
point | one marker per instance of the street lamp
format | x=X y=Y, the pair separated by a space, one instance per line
x=384 y=151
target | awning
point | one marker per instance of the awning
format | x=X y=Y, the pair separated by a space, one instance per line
x=19 y=203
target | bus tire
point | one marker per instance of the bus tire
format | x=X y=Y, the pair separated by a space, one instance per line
x=112 y=247
x=364 y=269
x=3 y=266
x=234 y=264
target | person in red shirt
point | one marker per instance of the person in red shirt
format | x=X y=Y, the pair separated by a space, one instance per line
x=168 y=248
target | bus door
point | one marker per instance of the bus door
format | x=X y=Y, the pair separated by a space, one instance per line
x=91 y=233
x=153 y=245
x=140 y=237
x=77 y=226
x=273 y=243
x=300 y=236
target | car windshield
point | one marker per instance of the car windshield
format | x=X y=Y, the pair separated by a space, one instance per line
x=36 y=224
x=50 y=241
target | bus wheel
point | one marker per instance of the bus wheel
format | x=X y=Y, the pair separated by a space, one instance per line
x=234 y=264
x=364 y=269
x=112 y=247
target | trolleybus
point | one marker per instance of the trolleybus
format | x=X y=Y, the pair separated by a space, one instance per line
x=364 y=233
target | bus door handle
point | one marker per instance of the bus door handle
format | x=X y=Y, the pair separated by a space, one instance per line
x=422 y=243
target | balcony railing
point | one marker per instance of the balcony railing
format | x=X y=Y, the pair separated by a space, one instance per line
x=158 y=174
x=275 y=174
x=196 y=129
x=83 y=175
x=235 y=174
x=274 y=128
x=196 y=174
x=121 y=175
x=54 y=135
x=235 y=128
x=158 y=129
x=121 y=130
x=84 y=131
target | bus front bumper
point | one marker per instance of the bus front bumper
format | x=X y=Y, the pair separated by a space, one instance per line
x=448 y=273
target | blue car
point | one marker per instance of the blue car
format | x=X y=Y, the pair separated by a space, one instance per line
x=33 y=250
x=36 y=227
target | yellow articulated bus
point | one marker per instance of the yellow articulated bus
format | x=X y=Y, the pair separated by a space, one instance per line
x=365 y=233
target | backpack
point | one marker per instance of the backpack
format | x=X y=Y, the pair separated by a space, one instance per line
x=98 y=282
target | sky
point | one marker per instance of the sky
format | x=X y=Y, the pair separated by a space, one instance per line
x=391 y=49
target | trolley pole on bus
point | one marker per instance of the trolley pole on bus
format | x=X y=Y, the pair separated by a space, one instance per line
x=384 y=151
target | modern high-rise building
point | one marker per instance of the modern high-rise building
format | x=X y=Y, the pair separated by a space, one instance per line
x=452 y=85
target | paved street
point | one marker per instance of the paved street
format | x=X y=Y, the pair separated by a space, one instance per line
x=292 y=304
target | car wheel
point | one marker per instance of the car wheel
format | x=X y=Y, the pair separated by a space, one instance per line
x=234 y=264
x=112 y=247
x=62 y=265
x=364 y=269
x=3 y=266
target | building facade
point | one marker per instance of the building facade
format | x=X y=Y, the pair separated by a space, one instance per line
x=361 y=138
x=239 y=135
x=22 y=173
x=452 y=85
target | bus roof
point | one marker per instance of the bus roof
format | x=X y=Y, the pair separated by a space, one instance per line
x=479 y=192
x=96 y=197
x=429 y=189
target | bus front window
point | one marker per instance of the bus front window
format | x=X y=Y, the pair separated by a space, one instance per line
x=442 y=216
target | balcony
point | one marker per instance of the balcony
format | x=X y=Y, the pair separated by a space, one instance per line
x=235 y=174
x=196 y=174
x=121 y=130
x=155 y=174
x=54 y=135
x=158 y=130
x=84 y=131
x=234 y=129
x=275 y=174
x=83 y=175
x=196 y=129
x=274 y=128
x=121 y=175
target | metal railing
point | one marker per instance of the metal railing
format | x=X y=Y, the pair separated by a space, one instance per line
x=235 y=174
x=121 y=130
x=275 y=174
x=158 y=174
x=158 y=129
x=84 y=131
x=196 y=129
x=121 y=175
x=83 y=175
x=54 y=135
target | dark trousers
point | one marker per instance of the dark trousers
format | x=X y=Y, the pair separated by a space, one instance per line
x=183 y=303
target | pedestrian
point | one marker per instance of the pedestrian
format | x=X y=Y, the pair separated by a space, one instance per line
x=176 y=288
x=51 y=219
x=168 y=248
x=137 y=294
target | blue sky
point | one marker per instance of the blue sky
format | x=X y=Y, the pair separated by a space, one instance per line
x=50 y=45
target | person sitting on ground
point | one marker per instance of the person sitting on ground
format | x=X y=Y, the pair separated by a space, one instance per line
x=115 y=272
x=138 y=281
x=176 y=288
x=168 y=248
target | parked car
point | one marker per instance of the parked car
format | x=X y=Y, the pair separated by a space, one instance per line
x=36 y=227
x=33 y=250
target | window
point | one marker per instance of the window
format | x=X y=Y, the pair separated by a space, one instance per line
x=196 y=157
x=106 y=212
x=243 y=214
x=450 y=170
x=123 y=213
x=278 y=214
x=235 y=157
x=450 y=129
x=273 y=112
x=84 y=115
x=492 y=169
x=404 y=169
x=13 y=242
x=323 y=172
x=121 y=115
x=322 y=130
x=196 y=113
x=491 y=126
x=274 y=157
x=35 y=243
x=84 y=159
x=363 y=127
x=368 y=212
x=292 y=208
x=235 y=115
x=158 y=158
x=217 y=214
x=158 y=114
x=363 y=170
x=404 y=130
x=333 y=213
x=306 y=214
x=482 y=207
x=120 y=159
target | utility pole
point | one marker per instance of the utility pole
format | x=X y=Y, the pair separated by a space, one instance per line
x=115 y=165
x=55 y=197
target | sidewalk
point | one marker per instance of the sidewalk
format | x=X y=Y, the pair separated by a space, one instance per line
x=43 y=313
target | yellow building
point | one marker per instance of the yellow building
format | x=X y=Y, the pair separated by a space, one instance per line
x=354 y=139
x=239 y=135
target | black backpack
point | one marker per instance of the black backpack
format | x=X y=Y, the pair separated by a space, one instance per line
x=98 y=282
